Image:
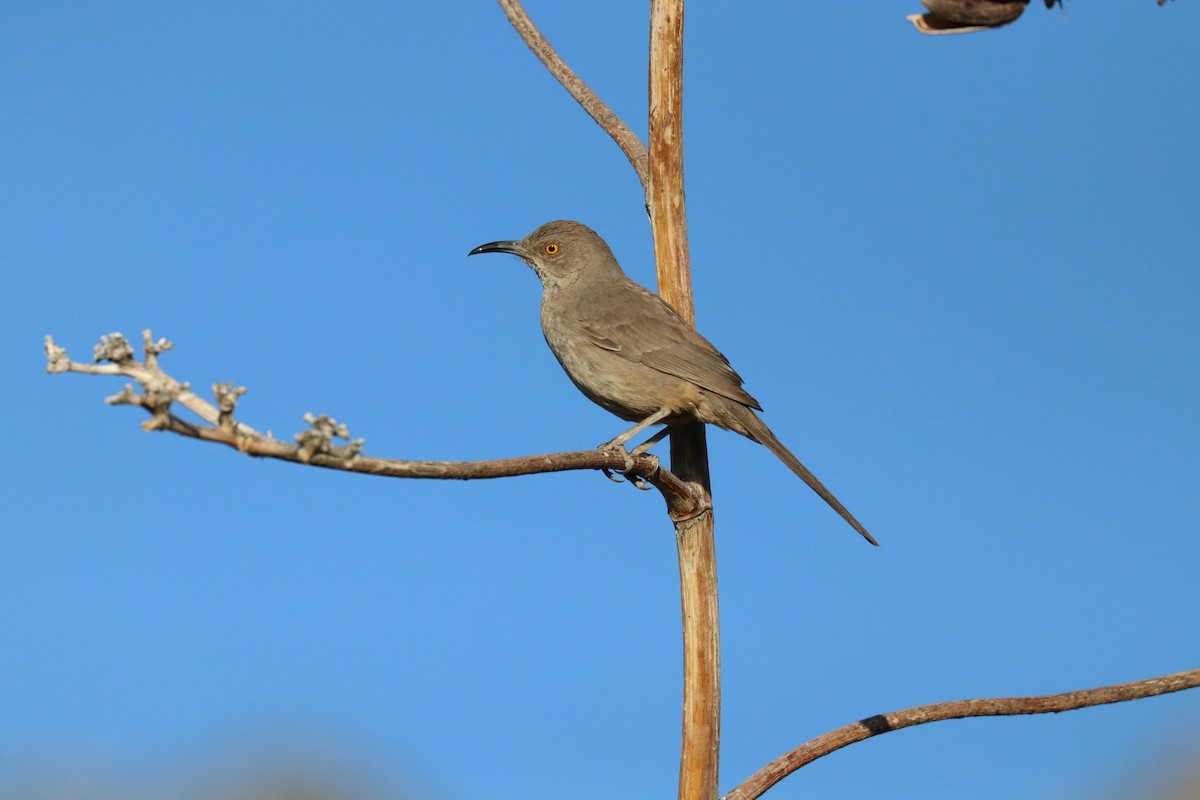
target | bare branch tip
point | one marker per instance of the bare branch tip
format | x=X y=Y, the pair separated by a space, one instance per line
x=151 y=348
x=56 y=357
x=125 y=397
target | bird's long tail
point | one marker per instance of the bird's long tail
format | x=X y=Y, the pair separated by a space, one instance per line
x=757 y=430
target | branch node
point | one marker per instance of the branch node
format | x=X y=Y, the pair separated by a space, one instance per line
x=319 y=439
x=114 y=348
x=227 y=398
x=696 y=508
x=157 y=400
x=877 y=724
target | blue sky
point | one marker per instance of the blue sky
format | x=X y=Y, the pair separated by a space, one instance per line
x=959 y=273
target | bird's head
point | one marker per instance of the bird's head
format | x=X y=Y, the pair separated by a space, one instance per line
x=558 y=251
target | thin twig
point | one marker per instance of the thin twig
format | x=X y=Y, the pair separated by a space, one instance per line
x=777 y=770
x=317 y=445
x=605 y=117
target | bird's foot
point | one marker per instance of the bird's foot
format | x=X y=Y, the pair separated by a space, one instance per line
x=615 y=443
x=640 y=481
x=627 y=473
x=616 y=447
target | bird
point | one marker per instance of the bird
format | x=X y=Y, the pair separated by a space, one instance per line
x=631 y=353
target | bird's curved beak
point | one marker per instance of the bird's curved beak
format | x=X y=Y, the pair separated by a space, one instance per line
x=506 y=246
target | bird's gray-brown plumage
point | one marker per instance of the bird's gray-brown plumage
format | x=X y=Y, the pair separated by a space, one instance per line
x=630 y=352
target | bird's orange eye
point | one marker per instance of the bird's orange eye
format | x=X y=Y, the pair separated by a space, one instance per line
x=552 y=249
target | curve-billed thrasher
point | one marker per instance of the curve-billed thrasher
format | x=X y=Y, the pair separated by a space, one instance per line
x=631 y=353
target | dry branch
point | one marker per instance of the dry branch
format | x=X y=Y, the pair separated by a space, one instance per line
x=318 y=445
x=789 y=762
x=605 y=117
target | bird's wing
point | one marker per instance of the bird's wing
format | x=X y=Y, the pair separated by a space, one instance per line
x=644 y=329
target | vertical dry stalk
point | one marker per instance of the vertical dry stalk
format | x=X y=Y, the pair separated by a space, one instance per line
x=661 y=171
x=700 y=752
x=698 y=768
x=664 y=191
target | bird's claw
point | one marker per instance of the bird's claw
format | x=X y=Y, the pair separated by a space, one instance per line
x=608 y=473
x=609 y=447
x=627 y=474
x=640 y=483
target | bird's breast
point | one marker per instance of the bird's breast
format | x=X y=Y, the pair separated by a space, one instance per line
x=625 y=387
